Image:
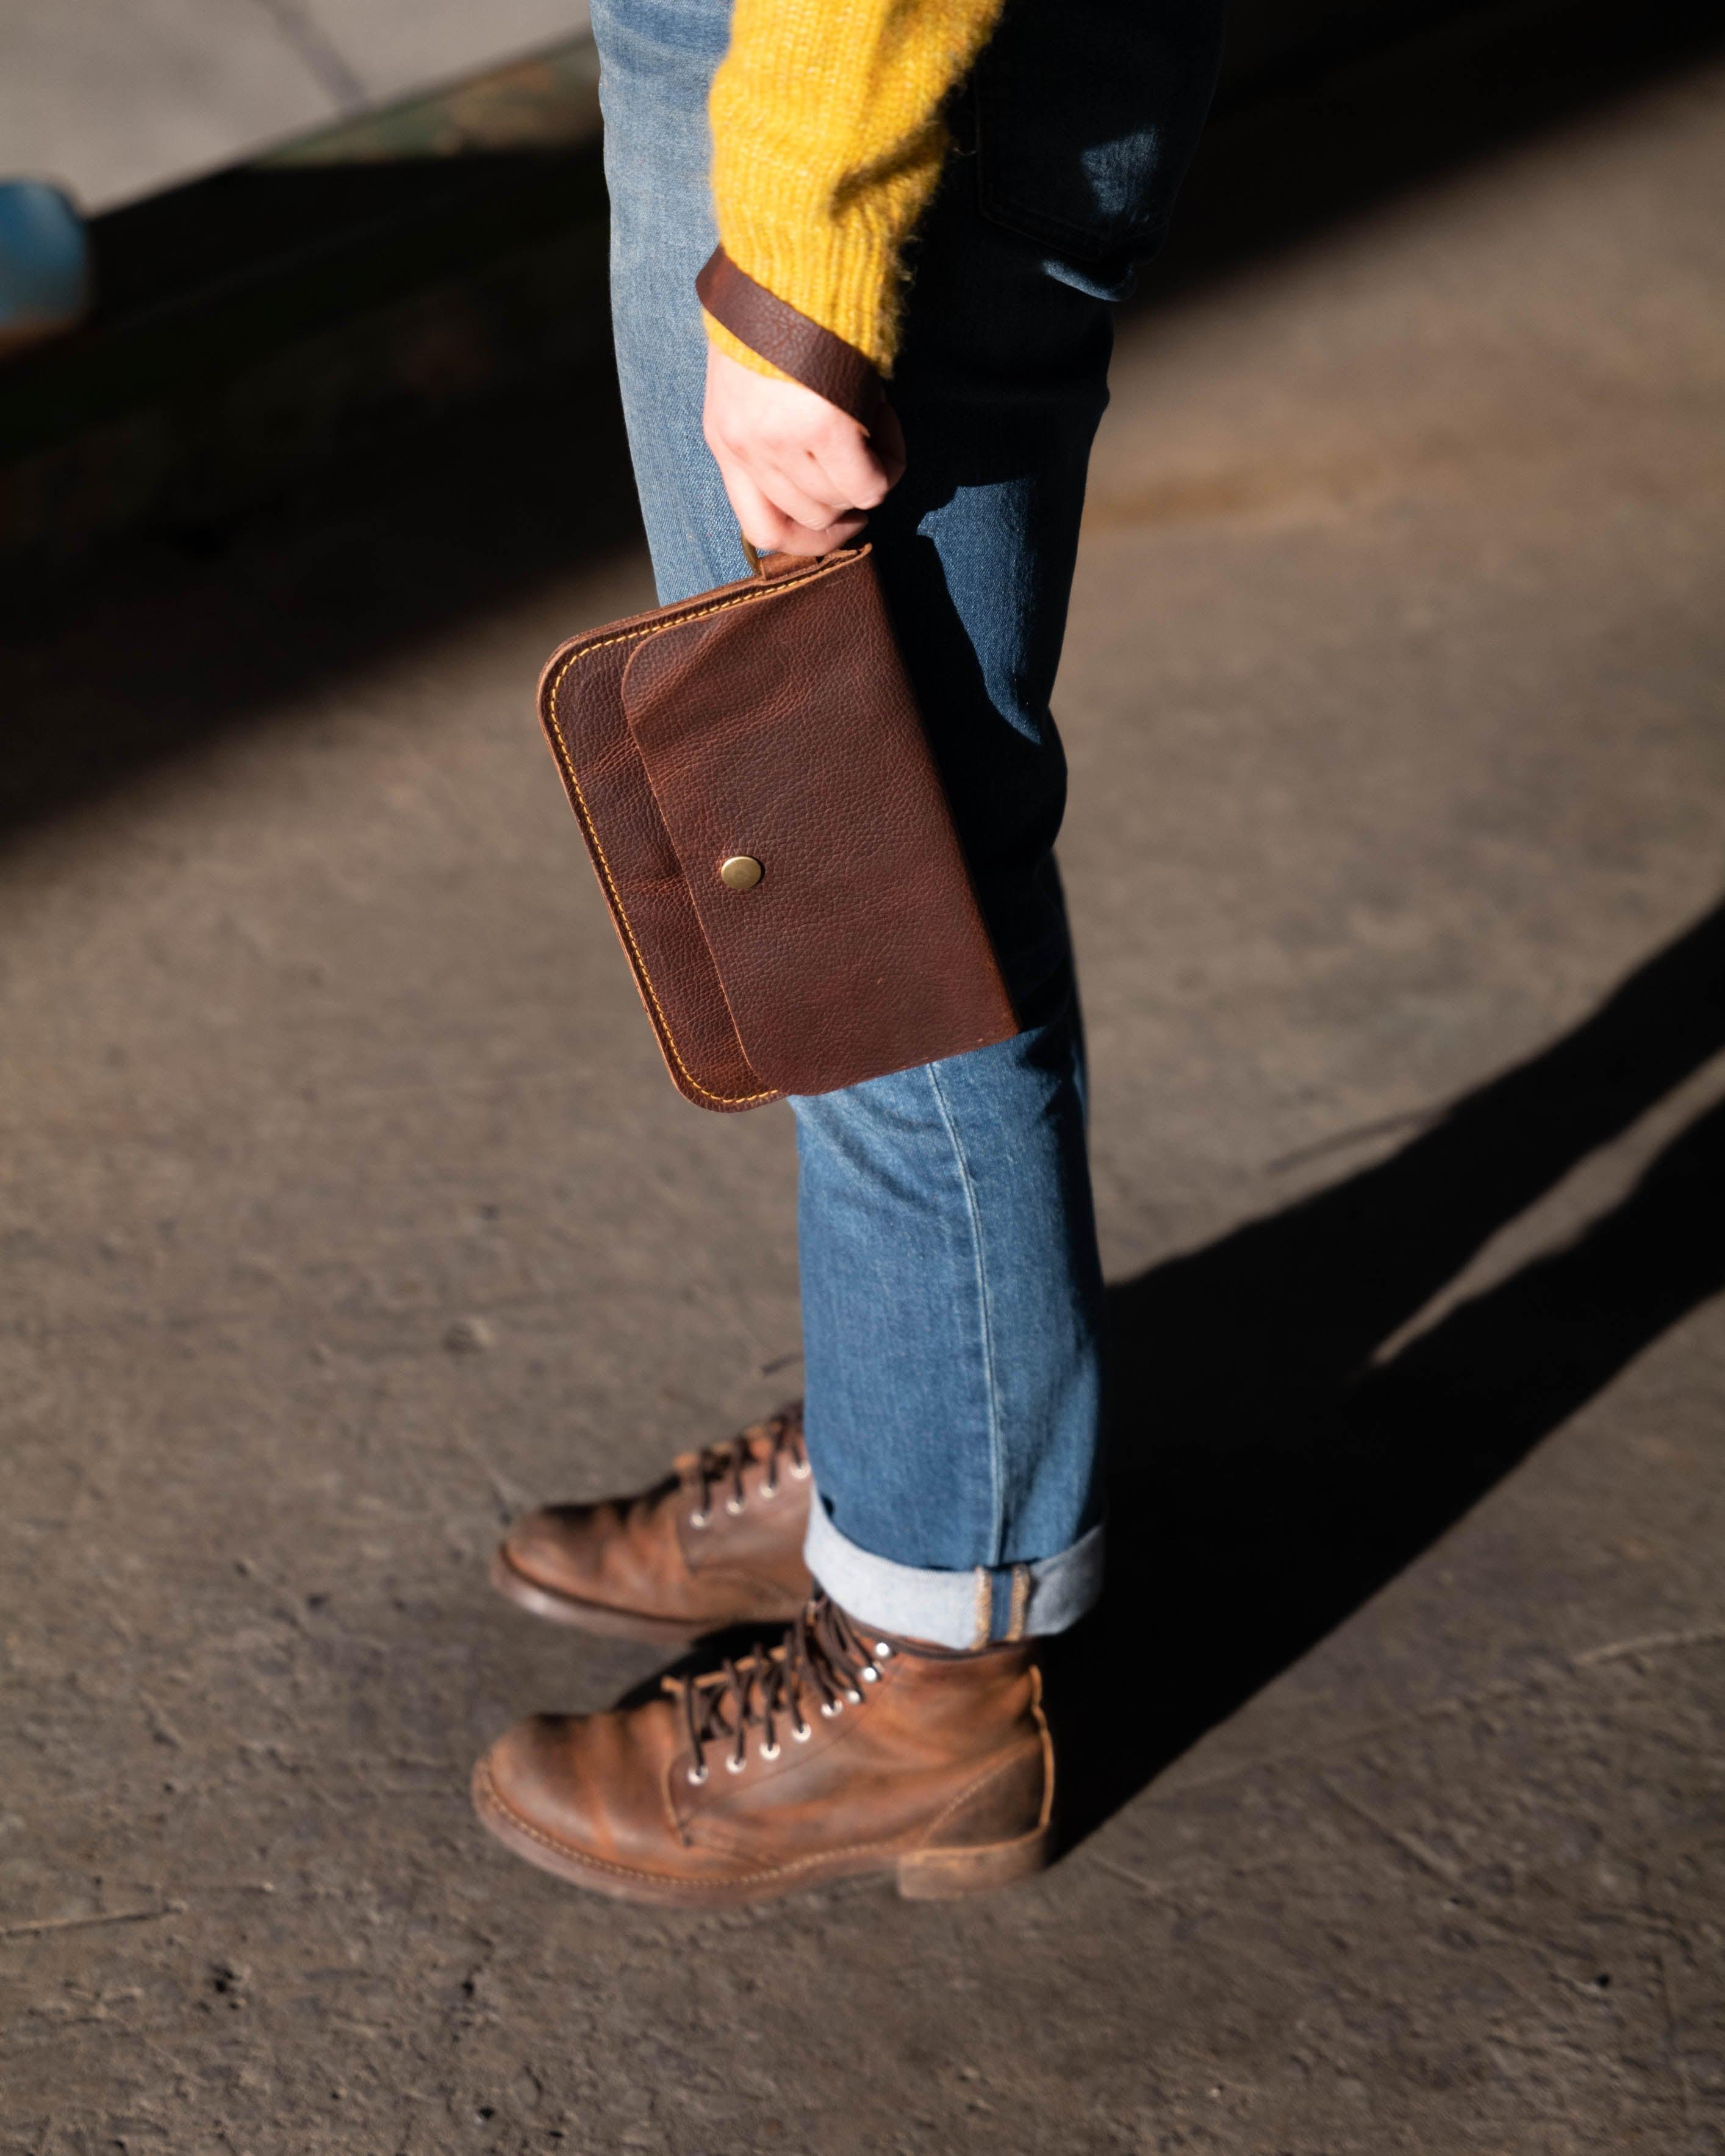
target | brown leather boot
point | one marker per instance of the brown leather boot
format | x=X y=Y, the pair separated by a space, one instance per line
x=838 y=1750
x=718 y=1542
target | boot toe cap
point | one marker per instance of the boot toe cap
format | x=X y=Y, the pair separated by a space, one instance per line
x=558 y=1547
x=571 y=1792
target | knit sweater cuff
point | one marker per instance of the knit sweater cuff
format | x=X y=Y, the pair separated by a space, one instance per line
x=845 y=278
x=794 y=343
x=829 y=138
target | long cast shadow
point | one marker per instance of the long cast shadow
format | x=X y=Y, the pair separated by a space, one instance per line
x=1267 y=1477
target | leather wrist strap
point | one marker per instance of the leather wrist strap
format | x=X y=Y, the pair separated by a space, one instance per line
x=796 y=344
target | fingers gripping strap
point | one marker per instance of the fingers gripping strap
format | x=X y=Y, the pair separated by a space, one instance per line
x=796 y=344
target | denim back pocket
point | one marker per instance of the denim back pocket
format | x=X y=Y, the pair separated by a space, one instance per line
x=1086 y=113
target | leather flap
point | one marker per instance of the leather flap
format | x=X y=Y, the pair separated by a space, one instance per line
x=581 y=706
x=779 y=728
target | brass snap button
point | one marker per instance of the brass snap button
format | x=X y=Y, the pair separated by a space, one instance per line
x=743 y=872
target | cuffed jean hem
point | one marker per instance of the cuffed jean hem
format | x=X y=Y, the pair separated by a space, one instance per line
x=955 y=1609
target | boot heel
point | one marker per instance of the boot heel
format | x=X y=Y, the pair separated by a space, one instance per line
x=943 y=1875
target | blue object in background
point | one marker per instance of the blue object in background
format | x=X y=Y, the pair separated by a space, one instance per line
x=44 y=262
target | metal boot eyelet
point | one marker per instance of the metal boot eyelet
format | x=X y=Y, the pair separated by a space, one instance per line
x=855 y=1698
x=883 y=1651
x=771 y=1751
x=800 y=1473
x=698 y=1519
x=769 y=1489
x=870 y=1675
x=829 y=1707
x=733 y=1506
x=697 y=1775
x=735 y=1765
x=803 y=1731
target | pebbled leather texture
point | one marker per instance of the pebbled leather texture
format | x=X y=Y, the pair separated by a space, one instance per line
x=773 y=718
x=793 y=341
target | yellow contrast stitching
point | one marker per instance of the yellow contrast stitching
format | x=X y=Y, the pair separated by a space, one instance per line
x=1020 y=1602
x=567 y=765
x=984 y=1608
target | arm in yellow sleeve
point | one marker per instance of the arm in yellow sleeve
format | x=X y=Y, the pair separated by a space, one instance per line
x=828 y=141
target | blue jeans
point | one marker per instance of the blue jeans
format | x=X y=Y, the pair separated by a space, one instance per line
x=951 y=1287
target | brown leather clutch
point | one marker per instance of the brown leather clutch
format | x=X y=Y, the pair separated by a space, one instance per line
x=751 y=775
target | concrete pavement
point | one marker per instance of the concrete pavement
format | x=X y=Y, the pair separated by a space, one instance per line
x=114 y=98
x=344 y=1209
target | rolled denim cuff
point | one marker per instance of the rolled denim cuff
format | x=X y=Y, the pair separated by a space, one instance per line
x=965 y=1609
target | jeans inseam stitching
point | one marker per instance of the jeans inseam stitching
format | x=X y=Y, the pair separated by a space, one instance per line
x=1019 y=1607
x=974 y=1212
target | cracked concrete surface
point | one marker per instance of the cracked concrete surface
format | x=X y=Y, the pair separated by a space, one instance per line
x=344 y=1209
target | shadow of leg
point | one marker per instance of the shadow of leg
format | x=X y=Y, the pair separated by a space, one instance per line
x=1294 y=1480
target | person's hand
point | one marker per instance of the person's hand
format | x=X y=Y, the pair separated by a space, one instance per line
x=802 y=474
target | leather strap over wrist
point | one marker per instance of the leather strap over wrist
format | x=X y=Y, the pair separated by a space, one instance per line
x=796 y=344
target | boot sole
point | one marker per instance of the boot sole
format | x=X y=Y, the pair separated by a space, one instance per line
x=923 y=1875
x=594 y=1617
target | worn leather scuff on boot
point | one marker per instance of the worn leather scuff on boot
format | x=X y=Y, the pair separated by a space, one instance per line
x=838 y=1750
x=716 y=1541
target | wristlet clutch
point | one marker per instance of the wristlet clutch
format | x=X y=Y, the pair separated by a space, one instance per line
x=751 y=775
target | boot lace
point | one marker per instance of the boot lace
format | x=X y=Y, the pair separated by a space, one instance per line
x=722 y=1466
x=821 y=1666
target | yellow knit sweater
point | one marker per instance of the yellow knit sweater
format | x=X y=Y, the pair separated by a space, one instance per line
x=827 y=140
